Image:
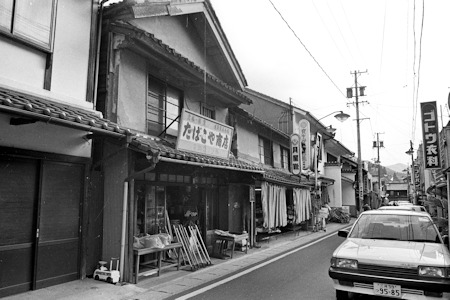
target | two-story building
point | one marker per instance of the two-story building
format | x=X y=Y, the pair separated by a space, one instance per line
x=170 y=76
x=47 y=126
x=282 y=200
x=319 y=148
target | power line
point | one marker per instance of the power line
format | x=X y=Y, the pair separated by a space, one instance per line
x=304 y=46
x=418 y=70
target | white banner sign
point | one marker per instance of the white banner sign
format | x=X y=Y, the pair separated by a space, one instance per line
x=305 y=140
x=203 y=135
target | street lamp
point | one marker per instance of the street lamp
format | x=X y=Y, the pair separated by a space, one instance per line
x=411 y=152
x=341 y=116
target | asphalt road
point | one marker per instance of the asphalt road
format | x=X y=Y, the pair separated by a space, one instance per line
x=300 y=275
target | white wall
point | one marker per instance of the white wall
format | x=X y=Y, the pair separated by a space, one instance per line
x=334 y=190
x=23 y=68
x=45 y=137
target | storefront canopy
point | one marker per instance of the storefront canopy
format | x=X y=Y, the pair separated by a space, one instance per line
x=165 y=151
x=30 y=108
x=285 y=178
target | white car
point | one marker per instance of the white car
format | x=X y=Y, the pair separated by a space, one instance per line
x=419 y=208
x=392 y=253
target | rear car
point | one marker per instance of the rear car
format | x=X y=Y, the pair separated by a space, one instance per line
x=418 y=208
x=392 y=253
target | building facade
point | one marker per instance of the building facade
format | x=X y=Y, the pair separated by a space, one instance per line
x=48 y=124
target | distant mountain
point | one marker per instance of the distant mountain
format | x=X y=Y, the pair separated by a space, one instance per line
x=399 y=168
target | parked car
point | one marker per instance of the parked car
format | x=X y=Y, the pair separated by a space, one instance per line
x=392 y=253
x=419 y=208
x=399 y=202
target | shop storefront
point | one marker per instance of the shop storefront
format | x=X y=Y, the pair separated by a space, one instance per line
x=175 y=194
x=44 y=169
x=282 y=203
x=167 y=188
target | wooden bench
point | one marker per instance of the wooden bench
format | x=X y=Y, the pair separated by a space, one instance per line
x=160 y=253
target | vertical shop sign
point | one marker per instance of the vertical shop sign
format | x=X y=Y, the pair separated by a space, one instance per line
x=203 y=135
x=252 y=193
x=430 y=134
x=296 y=158
x=305 y=141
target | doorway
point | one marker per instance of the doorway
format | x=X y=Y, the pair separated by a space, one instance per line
x=39 y=223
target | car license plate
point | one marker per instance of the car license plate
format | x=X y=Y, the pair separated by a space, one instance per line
x=389 y=290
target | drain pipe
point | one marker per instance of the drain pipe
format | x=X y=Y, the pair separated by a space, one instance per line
x=124 y=227
x=154 y=158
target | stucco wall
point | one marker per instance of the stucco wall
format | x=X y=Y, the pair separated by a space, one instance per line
x=23 y=67
x=179 y=34
x=247 y=141
x=44 y=137
x=335 y=190
x=132 y=93
x=131 y=106
x=348 y=192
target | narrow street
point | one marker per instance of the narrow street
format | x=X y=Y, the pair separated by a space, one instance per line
x=300 y=275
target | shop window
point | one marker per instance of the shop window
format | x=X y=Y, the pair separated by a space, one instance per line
x=30 y=21
x=150 y=176
x=163 y=177
x=151 y=209
x=284 y=158
x=164 y=104
x=212 y=210
x=265 y=151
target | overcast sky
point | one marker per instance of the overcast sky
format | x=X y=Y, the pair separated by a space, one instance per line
x=305 y=50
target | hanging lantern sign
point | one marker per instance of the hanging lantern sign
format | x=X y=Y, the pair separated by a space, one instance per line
x=305 y=141
x=296 y=158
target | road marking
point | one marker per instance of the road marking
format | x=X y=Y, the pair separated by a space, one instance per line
x=209 y=287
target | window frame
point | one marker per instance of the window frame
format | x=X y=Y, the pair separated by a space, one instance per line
x=284 y=159
x=163 y=115
x=23 y=38
x=263 y=155
x=207 y=108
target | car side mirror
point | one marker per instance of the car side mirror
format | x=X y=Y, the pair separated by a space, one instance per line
x=344 y=233
x=446 y=240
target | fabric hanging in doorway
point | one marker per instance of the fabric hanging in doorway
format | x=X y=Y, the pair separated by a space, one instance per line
x=273 y=199
x=302 y=205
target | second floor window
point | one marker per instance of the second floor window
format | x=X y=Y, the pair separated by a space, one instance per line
x=208 y=111
x=284 y=158
x=163 y=107
x=265 y=151
x=30 y=21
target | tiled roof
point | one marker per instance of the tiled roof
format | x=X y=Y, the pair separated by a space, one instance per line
x=144 y=35
x=285 y=177
x=249 y=116
x=55 y=112
x=144 y=143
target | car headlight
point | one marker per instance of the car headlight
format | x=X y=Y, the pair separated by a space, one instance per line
x=432 y=271
x=344 y=263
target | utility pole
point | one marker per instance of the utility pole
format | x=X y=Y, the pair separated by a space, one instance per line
x=378 y=144
x=358 y=92
x=413 y=179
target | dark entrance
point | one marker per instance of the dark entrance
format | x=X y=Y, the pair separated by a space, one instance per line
x=39 y=223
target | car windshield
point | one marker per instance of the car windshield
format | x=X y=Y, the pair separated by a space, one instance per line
x=395 y=227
